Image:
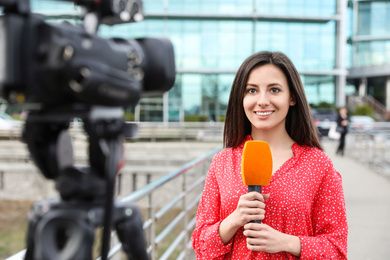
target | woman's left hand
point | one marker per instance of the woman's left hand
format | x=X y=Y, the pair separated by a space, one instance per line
x=261 y=237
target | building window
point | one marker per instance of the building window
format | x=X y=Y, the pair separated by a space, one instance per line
x=374 y=18
x=297 y=7
x=309 y=46
x=373 y=53
x=319 y=89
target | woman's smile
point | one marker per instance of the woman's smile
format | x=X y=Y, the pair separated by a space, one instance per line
x=264 y=113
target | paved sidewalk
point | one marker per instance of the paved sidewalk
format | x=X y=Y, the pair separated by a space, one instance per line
x=367 y=196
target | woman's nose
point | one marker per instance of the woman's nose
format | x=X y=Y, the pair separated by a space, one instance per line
x=263 y=99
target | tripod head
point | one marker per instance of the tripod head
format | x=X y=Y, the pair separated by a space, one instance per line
x=49 y=142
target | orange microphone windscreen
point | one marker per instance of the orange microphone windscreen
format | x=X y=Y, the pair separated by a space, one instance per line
x=256 y=165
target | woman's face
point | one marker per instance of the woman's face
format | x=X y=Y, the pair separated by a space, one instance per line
x=267 y=98
x=343 y=111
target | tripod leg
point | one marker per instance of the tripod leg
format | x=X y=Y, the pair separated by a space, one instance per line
x=32 y=223
x=131 y=234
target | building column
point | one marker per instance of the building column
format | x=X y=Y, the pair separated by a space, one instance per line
x=340 y=90
x=387 y=98
x=362 y=87
x=341 y=40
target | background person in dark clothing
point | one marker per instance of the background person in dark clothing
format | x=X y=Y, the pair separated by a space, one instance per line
x=342 y=128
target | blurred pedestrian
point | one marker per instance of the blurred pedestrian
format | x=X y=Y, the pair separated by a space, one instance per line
x=342 y=128
x=302 y=209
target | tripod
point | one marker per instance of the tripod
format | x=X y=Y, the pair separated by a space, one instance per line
x=64 y=228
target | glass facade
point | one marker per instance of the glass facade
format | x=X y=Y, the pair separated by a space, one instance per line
x=50 y=6
x=370 y=50
x=309 y=46
x=372 y=53
x=374 y=18
x=319 y=88
x=211 y=39
x=278 y=7
x=297 y=7
x=372 y=33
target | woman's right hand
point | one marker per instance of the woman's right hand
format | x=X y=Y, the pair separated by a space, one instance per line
x=250 y=207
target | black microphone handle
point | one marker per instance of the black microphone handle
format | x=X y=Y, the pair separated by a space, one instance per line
x=254 y=188
x=258 y=189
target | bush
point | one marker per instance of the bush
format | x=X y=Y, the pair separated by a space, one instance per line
x=128 y=116
x=323 y=105
x=364 y=110
x=196 y=118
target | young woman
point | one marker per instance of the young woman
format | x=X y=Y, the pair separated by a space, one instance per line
x=302 y=209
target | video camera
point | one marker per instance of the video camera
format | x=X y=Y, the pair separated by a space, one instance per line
x=72 y=72
x=64 y=64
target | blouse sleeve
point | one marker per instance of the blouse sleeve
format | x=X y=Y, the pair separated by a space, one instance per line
x=329 y=222
x=206 y=240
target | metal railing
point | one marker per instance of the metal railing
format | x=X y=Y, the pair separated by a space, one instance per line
x=371 y=147
x=183 y=204
x=175 y=218
x=377 y=106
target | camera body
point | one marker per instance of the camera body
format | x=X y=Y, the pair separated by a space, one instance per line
x=56 y=64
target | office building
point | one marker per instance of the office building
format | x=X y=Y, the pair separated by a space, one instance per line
x=369 y=72
x=339 y=47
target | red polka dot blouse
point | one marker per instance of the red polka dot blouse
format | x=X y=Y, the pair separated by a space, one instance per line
x=306 y=200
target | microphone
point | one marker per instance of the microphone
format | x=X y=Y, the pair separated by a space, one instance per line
x=256 y=166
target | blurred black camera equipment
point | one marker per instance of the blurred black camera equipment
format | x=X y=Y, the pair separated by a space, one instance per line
x=72 y=72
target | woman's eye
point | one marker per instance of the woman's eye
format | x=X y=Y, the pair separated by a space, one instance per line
x=251 y=91
x=275 y=90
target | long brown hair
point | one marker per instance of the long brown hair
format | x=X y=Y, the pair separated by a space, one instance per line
x=299 y=121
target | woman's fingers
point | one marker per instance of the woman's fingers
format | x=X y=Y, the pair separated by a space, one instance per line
x=256 y=196
x=251 y=207
x=261 y=237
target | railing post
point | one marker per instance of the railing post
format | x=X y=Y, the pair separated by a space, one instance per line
x=184 y=208
x=1 y=180
x=152 y=228
x=134 y=181
x=119 y=183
